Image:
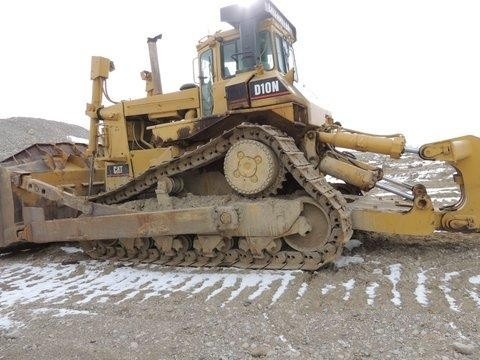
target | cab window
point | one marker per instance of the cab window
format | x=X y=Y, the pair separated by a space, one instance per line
x=230 y=53
x=206 y=80
x=264 y=50
x=285 y=55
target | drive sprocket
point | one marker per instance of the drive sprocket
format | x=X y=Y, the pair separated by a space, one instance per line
x=252 y=168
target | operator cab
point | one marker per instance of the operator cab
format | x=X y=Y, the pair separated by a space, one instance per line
x=253 y=61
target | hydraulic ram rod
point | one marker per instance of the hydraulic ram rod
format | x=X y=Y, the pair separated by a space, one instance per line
x=393 y=146
x=394 y=190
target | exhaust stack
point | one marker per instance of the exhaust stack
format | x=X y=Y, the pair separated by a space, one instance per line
x=155 y=68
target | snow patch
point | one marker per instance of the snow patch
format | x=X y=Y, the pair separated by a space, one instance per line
x=420 y=290
x=208 y=283
x=474 y=296
x=54 y=283
x=475 y=280
x=283 y=286
x=326 y=289
x=6 y=323
x=394 y=277
x=302 y=290
x=71 y=249
x=77 y=140
x=371 y=292
x=349 y=285
x=352 y=244
x=61 y=312
x=447 y=291
x=228 y=282
x=347 y=260
x=290 y=347
x=454 y=327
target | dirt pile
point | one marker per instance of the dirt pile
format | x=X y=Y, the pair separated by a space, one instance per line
x=18 y=133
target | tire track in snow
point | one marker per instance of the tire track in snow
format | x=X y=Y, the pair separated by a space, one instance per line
x=421 y=293
x=56 y=283
x=90 y=281
x=445 y=287
x=394 y=277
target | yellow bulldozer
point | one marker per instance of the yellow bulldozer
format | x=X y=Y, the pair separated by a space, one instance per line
x=234 y=169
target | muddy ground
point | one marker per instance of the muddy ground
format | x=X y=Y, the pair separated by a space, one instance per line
x=386 y=298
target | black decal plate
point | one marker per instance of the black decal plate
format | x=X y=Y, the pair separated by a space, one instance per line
x=237 y=96
x=264 y=88
x=117 y=170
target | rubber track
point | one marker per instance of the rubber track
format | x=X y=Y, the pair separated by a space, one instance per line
x=292 y=159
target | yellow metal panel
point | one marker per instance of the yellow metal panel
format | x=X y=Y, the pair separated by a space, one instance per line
x=100 y=67
x=117 y=144
x=143 y=159
x=286 y=112
x=163 y=105
x=463 y=154
x=173 y=130
x=413 y=222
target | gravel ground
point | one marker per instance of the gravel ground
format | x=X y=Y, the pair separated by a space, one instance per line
x=419 y=299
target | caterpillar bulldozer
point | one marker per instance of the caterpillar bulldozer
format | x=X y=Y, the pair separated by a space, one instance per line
x=236 y=169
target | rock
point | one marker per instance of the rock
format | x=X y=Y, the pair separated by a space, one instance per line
x=259 y=351
x=69 y=262
x=133 y=345
x=465 y=349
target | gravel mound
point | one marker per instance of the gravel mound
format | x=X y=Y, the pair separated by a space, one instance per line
x=17 y=133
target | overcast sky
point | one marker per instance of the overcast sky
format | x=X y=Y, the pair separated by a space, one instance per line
x=410 y=66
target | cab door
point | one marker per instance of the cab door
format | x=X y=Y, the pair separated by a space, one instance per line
x=206 y=82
